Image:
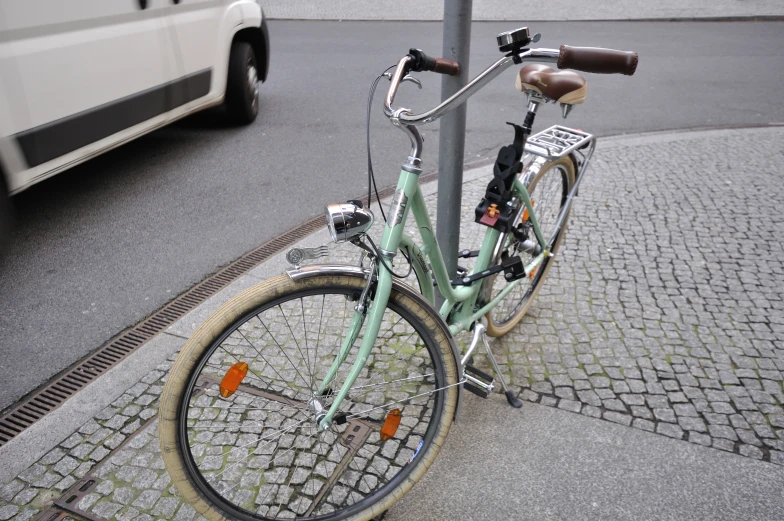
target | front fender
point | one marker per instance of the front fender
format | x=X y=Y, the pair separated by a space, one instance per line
x=316 y=270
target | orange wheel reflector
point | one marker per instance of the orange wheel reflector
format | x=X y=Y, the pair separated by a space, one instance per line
x=533 y=272
x=390 y=424
x=233 y=378
x=525 y=211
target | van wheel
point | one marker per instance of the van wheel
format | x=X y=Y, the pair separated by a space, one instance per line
x=242 y=86
x=5 y=216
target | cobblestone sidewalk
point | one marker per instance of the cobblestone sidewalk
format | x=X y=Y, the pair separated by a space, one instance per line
x=664 y=311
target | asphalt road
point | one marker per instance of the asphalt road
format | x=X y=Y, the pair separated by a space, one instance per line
x=98 y=248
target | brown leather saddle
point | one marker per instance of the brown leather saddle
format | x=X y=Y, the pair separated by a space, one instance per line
x=562 y=86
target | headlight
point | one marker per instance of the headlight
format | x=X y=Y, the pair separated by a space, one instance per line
x=346 y=221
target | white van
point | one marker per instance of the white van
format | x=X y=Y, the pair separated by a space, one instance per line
x=79 y=77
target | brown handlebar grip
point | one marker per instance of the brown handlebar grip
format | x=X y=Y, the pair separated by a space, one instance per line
x=598 y=60
x=444 y=66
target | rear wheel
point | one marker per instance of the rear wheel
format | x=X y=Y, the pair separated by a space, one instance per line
x=548 y=191
x=242 y=85
x=257 y=453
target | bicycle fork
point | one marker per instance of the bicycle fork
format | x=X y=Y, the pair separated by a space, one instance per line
x=407 y=185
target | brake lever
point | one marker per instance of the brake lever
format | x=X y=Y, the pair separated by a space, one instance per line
x=407 y=77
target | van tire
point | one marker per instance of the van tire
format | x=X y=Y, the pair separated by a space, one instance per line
x=5 y=216
x=242 y=92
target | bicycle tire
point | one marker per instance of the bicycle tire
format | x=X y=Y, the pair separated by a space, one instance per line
x=498 y=322
x=177 y=443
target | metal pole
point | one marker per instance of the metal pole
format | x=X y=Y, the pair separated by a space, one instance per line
x=457 y=45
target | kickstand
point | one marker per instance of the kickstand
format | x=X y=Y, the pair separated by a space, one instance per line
x=513 y=400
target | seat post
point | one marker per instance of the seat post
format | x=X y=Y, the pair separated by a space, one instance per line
x=533 y=106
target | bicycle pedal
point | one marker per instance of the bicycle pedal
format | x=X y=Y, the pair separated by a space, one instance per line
x=477 y=382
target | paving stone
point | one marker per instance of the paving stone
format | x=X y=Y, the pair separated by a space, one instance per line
x=106 y=509
x=24 y=497
x=8 y=511
x=664 y=415
x=66 y=465
x=644 y=424
x=65 y=483
x=83 y=469
x=700 y=439
x=114 y=441
x=166 y=507
x=722 y=407
x=599 y=381
x=185 y=513
x=671 y=430
x=570 y=405
x=590 y=397
x=565 y=393
x=657 y=402
x=685 y=409
x=722 y=431
x=26 y=515
x=750 y=452
x=777 y=457
x=641 y=412
x=632 y=399
x=123 y=495
x=748 y=436
x=127 y=514
x=590 y=410
x=605 y=394
x=10 y=490
x=32 y=473
x=88 y=501
x=691 y=424
x=542 y=387
x=147 y=499
x=52 y=457
x=774 y=444
x=723 y=444
x=614 y=405
x=89 y=428
x=72 y=441
x=529 y=396
x=615 y=417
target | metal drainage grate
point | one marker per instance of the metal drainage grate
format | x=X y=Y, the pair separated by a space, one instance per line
x=35 y=406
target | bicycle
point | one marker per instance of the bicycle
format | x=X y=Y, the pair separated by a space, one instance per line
x=339 y=419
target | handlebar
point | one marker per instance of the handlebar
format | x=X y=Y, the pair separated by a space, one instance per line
x=423 y=62
x=594 y=59
x=405 y=117
x=588 y=59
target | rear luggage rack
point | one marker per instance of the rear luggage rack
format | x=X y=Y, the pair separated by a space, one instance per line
x=557 y=141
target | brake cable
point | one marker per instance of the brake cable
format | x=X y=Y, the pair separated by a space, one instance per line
x=371 y=174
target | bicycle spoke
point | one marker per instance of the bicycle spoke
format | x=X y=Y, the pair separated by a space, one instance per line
x=267 y=421
x=283 y=350
x=305 y=332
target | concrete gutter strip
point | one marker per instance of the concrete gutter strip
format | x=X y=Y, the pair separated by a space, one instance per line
x=36 y=441
x=535 y=459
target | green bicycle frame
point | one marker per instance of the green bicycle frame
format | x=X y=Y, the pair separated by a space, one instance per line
x=409 y=198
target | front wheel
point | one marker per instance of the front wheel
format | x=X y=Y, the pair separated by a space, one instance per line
x=548 y=191
x=242 y=84
x=238 y=430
